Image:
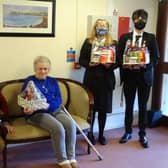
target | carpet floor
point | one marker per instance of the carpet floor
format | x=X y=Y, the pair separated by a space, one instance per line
x=115 y=155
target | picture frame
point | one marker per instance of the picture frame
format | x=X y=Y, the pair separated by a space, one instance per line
x=27 y=18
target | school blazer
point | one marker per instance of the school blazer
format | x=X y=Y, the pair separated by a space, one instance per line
x=147 y=72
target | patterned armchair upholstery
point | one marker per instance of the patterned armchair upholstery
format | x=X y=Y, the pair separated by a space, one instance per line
x=76 y=99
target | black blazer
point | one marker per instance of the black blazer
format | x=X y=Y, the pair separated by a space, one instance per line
x=147 y=72
x=92 y=73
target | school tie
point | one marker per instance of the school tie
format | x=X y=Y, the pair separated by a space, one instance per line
x=137 y=37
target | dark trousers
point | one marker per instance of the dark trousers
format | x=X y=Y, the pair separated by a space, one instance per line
x=143 y=90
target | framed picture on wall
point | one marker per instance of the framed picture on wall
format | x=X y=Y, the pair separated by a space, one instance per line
x=27 y=18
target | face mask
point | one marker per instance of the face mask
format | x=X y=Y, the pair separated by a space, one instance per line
x=101 y=31
x=140 y=25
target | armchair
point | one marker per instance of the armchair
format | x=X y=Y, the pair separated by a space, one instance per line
x=76 y=99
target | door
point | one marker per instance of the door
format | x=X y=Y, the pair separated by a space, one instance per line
x=160 y=91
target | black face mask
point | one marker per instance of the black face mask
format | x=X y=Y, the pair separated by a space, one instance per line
x=140 y=25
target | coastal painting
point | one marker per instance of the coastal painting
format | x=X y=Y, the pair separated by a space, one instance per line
x=25 y=16
x=28 y=18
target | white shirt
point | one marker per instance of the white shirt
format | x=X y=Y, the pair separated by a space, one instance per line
x=134 y=38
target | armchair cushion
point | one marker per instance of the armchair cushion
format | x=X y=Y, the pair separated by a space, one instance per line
x=25 y=131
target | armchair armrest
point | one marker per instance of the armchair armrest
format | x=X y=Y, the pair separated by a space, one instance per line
x=80 y=100
x=3 y=109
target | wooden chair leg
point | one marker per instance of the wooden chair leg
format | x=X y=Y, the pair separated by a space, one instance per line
x=90 y=132
x=4 y=151
x=4 y=157
x=88 y=147
x=88 y=150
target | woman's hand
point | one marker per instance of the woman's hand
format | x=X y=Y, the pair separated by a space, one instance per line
x=28 y=111
x=92 y=64
x=10 y=129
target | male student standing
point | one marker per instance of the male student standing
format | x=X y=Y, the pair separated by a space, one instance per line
x=137 y=76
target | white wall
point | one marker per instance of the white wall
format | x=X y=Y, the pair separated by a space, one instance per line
x=125 y=8
x=17 y=53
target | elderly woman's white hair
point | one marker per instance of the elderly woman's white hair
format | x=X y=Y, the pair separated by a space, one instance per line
x=42 y=59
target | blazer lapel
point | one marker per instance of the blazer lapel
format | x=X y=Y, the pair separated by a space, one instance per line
x=145 y=39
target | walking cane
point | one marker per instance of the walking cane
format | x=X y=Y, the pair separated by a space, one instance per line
x=86 y=138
